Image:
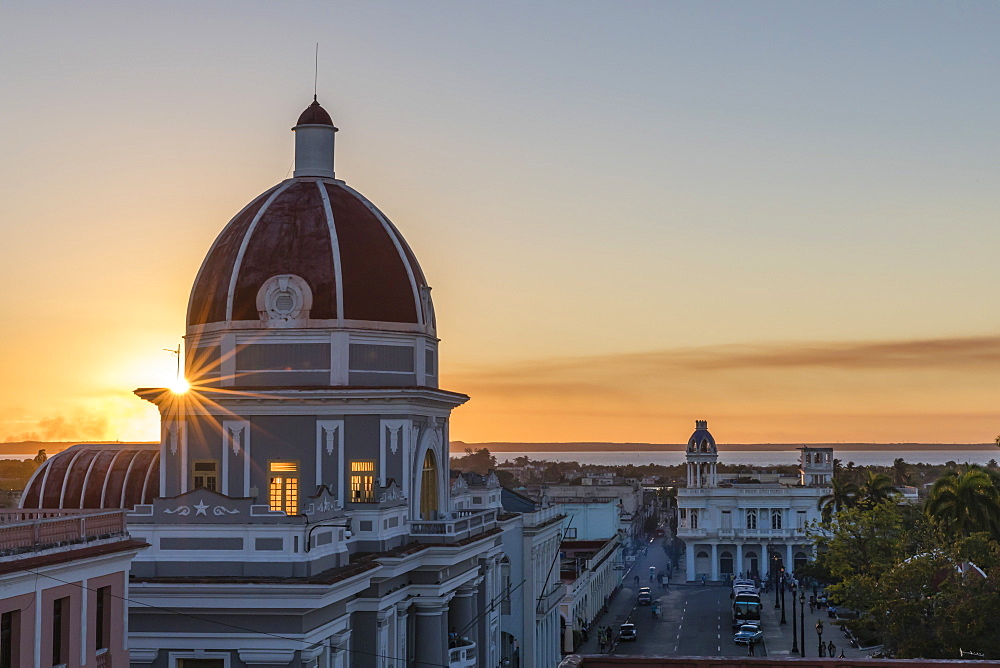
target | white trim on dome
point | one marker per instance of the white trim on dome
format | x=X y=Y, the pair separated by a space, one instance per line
x=246 y=242
x=86 y=478
x=62 y=492
x=107 y=477
x=334 y=246
x=128 y=472
x=149 y=474
x=215 y=243
x=393 y=233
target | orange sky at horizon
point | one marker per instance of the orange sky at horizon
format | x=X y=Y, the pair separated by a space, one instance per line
x=760 y=215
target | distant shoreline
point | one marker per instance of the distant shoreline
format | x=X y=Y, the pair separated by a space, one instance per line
x=458 y=447
x=28 y=449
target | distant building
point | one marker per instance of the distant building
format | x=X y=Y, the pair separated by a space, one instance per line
x=64 y=588
x=749 y=529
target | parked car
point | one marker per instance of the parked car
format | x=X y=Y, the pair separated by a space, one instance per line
x=626 y=632
x=747 y=633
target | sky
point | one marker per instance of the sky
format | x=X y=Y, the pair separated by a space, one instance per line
x=778 y=216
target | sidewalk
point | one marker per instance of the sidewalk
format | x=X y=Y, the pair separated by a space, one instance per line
x=778 y=636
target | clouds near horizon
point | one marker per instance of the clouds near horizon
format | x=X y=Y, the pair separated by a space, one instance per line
x=773 y=392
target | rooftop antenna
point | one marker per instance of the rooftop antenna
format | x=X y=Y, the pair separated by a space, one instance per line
x=316 y=74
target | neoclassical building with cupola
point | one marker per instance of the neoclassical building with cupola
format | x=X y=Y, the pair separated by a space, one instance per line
x=299 y=509
x=733 y=528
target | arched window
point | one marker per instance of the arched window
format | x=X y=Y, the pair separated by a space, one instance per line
x=694 y=519
x=429 y=488
x=751 y=519
x=776 y=519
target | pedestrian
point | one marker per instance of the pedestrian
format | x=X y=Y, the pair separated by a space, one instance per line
x=830 y=649
x=750 y=647
x=636 y=580
x=812 y=604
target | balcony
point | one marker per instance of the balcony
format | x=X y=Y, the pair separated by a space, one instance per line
x=462 y=656
x=462 y=524
x=31 y=530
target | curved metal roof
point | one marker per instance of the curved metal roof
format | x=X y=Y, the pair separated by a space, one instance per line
x=96 y=475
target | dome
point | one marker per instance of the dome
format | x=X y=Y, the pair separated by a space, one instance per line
x=313 y=250
x=701 y=440
x=112 y=475
x=314 y=115
x=353 y=260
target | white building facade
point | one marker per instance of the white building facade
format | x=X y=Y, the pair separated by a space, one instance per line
x=733 y=529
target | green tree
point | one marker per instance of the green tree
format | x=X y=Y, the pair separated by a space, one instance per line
x=900 y=472
x=843 y=494
x=876 y=488
x=479 y=461
x=966 y=502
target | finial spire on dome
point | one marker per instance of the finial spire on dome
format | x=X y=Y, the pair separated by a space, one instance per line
x=314 y=141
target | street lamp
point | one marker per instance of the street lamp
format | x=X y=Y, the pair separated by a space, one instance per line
x=783 y=596
x=819 y=634
x=795 y=632
x=802 y=619
x=774 y=571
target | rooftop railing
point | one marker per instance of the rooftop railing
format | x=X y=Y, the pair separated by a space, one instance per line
x=463 y=524
x=32 y=530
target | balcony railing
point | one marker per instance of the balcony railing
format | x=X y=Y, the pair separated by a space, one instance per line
x=463 y=524
x=550 y=599
x=462 y=656
x=31 y=530
x=746 y=533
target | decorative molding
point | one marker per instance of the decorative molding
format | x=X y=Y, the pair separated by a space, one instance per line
x=235 y=436
x=389 y=442
x=330 y=441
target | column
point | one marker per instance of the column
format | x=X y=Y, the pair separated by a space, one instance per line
x=789 y=563
x=739 y=559
x=431 y=633
x=402 y=615
x=383 y=630
x=715 y=562
x=689 y=557
x=462 y=614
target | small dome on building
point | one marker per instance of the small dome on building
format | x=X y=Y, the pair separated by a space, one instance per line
x=112 y=475
x=314 y=115
x=701 y=440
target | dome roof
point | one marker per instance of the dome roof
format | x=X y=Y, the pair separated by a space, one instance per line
x=353 y=260
x=701 y=440
x=314 y=115
x=113 y=475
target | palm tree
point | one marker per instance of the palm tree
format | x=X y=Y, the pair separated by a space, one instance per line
x=842 y=495
x=876 y=488
x=968 y=501
x=900 y=472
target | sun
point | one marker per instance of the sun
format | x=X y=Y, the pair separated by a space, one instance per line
x=179 y=386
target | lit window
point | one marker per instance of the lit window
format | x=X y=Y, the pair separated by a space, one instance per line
x=362 y=481
x=284 y=487
x=206 y=474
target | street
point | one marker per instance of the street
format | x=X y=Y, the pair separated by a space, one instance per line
x=695 y=619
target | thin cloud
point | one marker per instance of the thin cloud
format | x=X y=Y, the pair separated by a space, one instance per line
x=930 y=354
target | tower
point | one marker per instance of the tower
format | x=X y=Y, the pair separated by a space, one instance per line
x=701 y=457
